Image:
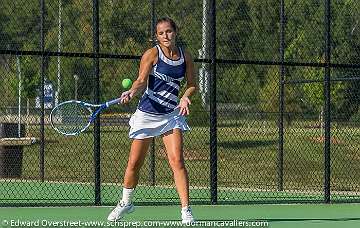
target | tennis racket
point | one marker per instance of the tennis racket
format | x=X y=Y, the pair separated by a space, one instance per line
x=73 y=117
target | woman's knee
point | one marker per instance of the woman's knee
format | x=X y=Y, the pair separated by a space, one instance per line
x=176 y=163
x=134 y=165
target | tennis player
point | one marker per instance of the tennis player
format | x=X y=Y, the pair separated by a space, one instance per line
x=159 y=113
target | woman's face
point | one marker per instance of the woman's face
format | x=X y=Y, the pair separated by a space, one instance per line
x=165 y=34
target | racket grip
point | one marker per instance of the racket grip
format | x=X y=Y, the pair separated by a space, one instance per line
x=115 y=101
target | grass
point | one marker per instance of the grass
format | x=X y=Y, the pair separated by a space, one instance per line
x=247 y=159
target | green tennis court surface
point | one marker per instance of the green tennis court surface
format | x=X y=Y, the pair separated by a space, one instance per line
x=306 y=215
x=28 y=192
x=253 y=215
x=15 y=192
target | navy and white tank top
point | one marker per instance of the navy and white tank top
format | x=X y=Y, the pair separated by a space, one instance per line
x=161 y=95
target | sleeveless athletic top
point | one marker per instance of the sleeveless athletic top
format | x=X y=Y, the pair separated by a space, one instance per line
x=161 y=95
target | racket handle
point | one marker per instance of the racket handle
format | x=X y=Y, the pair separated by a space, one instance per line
x=115 y=101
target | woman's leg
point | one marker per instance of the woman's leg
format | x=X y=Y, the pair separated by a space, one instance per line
x=173 y=142
x=138 y=151
x=137 y=155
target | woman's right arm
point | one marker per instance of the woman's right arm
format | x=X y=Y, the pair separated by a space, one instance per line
x=147 y=61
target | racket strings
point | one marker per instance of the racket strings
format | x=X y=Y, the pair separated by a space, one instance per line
x=70 y=118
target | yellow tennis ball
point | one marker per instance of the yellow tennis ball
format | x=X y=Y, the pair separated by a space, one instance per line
x=126 y=83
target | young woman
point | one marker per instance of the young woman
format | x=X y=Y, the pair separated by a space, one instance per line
x=160 y=113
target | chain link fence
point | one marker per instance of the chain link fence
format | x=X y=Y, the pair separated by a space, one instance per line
x=276 y=118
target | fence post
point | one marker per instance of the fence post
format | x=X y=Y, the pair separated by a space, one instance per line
x=96 y=101
x=280 y=165
x=327 y=116
x=42 y=108
x=152 y=152
x=213 y=114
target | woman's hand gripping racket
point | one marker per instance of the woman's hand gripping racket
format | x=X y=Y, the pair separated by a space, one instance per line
x=73 y=117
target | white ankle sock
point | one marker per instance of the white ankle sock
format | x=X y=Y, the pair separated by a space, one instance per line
x=127 y=195
x=185 y=208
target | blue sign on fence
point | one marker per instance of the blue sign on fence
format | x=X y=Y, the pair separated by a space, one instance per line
x=48 y=96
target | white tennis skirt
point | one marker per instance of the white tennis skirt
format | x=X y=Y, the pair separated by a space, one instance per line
x=146 y=125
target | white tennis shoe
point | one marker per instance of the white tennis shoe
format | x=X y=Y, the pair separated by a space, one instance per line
x=187 y=216
x=120 y=210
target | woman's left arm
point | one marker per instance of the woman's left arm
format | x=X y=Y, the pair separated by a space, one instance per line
x=190 y=85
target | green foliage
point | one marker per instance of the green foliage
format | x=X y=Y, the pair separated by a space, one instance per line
x=30 y=76
x=237 y=84
x=246 y=29
x=199 y=115
x=356 y=117
x=20 y=24
x=269 y=94
x=123 y=30
x=8 y=81
x=314 y=93
x=235 y=26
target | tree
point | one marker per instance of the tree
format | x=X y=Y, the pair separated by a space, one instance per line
x=269 y=95
x=346 y=48
x=237 y=84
